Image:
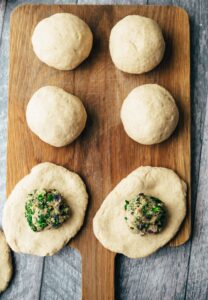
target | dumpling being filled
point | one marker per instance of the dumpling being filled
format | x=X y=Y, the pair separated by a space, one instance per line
x=142 y=213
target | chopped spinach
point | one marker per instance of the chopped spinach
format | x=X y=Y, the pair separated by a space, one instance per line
x=145 y=214
x=45 y=209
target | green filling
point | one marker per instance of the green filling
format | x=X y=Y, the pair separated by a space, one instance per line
x=45 y=209
x=145 y=214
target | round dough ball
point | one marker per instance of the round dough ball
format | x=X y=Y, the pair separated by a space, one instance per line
x=5 y=263
x=136 y=44
x=55 y=116
x=109 y=224
x=62 y=41
x=149 y=114
x=19 y=235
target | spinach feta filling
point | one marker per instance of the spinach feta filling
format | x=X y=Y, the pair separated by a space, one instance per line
x=45 y=209
x=145 y=214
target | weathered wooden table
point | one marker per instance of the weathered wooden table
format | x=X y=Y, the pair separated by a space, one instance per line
x=172 y=273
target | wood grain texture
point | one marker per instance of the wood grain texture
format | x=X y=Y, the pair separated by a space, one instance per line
x=94 y=155
x=135 y=279
x=197 y=283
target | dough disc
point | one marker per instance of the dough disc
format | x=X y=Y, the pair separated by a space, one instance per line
x=5 y=263
x=19 y=235
x=110 y=227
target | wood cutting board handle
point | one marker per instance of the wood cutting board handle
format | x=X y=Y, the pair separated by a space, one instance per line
x=98 y=274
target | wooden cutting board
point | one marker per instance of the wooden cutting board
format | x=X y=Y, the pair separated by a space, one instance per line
x=103 y=154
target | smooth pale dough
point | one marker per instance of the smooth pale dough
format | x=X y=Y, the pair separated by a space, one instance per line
x=62 y=41
x=5 y=263
x=18 y=233
x=136 y=44
x=55 y=116
x=149 y=114
x=110 y=227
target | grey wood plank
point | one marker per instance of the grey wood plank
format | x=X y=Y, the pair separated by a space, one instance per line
x=62 y=276
x=197 y=285
x=112 y=2
x=160 y=276
x=2 y=11
x=26 y=281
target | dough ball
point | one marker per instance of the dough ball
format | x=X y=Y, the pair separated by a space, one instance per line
x=62 y=41
x=149 y=114
x=55 y=116
x=19 y=235
x=136 y=44
x=5 y=263
x=110 y=226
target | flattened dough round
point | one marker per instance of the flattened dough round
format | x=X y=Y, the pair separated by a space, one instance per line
x=149 y=114
x=62 y=41
x=136 y=44
x=5 y=263
x=110 y=227
x=55 y=116
x=18 y=233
